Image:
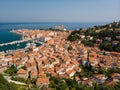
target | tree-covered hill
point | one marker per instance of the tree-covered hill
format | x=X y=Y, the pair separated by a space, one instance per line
x=106 y=37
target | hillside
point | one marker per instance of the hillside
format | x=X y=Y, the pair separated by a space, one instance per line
x=106 y=37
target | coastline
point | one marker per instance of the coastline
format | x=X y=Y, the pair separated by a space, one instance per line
x=15 y=41
x=13 y=31
x=17 y=44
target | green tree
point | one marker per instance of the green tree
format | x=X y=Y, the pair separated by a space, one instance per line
x=11 y=71
x=57 y=83
x=4 y=85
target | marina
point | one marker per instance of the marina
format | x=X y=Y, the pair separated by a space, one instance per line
x=17 y=46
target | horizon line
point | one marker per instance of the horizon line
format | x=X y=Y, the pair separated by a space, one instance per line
x=62 y=22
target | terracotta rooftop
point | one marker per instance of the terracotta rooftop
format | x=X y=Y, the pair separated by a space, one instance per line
x=42 y=80
x=21 y=71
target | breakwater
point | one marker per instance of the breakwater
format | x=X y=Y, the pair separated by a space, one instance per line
x=14 y=42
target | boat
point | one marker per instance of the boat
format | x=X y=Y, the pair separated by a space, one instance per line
x=18 y=44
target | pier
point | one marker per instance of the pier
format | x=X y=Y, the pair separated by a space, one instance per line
x=14 y=42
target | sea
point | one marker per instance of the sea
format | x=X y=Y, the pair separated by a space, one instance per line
x=7 y=36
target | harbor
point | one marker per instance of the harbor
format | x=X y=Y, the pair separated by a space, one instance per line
x=23 y=44
x=14 y=42
x=19 y=46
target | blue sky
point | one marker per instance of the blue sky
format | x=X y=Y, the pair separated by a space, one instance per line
x=59 y=10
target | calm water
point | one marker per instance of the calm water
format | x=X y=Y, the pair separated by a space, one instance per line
x=7 y=36
x=16 y=46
